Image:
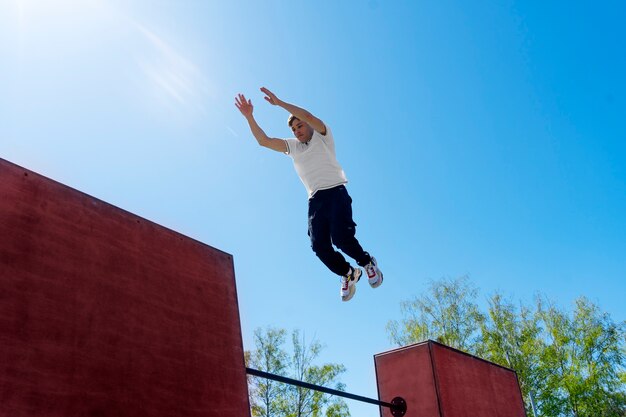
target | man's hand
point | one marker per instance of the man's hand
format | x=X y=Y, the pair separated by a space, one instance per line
x=298 y=112
x=271 y=97
x=244 y=106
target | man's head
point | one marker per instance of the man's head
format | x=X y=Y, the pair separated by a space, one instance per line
x=302 y=130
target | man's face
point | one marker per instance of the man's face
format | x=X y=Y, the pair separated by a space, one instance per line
x=301 y=130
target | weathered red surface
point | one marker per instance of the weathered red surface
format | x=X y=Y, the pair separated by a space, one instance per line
x=103 y=313
x=438 y=381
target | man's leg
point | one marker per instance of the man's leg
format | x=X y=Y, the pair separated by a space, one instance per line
x=343 y=231
x=343 y=228
x=319 y=232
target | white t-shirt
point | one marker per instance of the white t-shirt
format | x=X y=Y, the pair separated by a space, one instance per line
x=316 y=163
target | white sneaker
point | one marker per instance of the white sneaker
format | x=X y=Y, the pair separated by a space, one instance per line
x=374 y=275
x=347 y=283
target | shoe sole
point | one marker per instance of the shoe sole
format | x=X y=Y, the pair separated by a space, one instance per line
x=350 y=295
x=357 y=276
x=378 y=282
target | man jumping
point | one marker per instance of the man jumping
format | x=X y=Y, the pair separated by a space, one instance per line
x=330 y=205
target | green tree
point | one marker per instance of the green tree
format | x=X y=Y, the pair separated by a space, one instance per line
x=303 y=402
x=273 y=399
x=569 y=364
x=511 y=337
x=447 y=313
x=267 y=397
x=583 y=363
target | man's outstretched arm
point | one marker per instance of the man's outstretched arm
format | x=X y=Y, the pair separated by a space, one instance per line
x=298 y=112
x=246 y=108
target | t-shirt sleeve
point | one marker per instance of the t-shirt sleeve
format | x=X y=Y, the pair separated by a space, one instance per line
x=291 y=147
x=328 y=137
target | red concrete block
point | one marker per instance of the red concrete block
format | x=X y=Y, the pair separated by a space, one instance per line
x=438 y=381
x=103 y=313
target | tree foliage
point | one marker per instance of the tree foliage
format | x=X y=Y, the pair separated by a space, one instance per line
x=447 y=313
x=569 y=363
x=581 y=362
x=273 y=399
x=267 y=397
x=510 y=336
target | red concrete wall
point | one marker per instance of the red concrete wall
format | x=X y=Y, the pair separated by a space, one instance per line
x=438 y=381
x=103 y=313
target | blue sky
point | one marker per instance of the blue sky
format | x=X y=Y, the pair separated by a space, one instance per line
x=480 y=138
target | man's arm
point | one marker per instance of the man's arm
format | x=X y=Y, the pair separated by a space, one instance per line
x=298 y=112
x=246 y=108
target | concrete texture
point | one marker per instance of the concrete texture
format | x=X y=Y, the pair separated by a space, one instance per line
x=438 y=381
x=103 y=313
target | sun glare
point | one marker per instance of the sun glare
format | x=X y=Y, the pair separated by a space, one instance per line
x=37 y=16
x=54 y=33
x=171 y=72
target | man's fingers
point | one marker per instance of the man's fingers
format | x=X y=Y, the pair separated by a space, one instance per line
x=268 y=92
x=241 y=100
x=244 y=106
